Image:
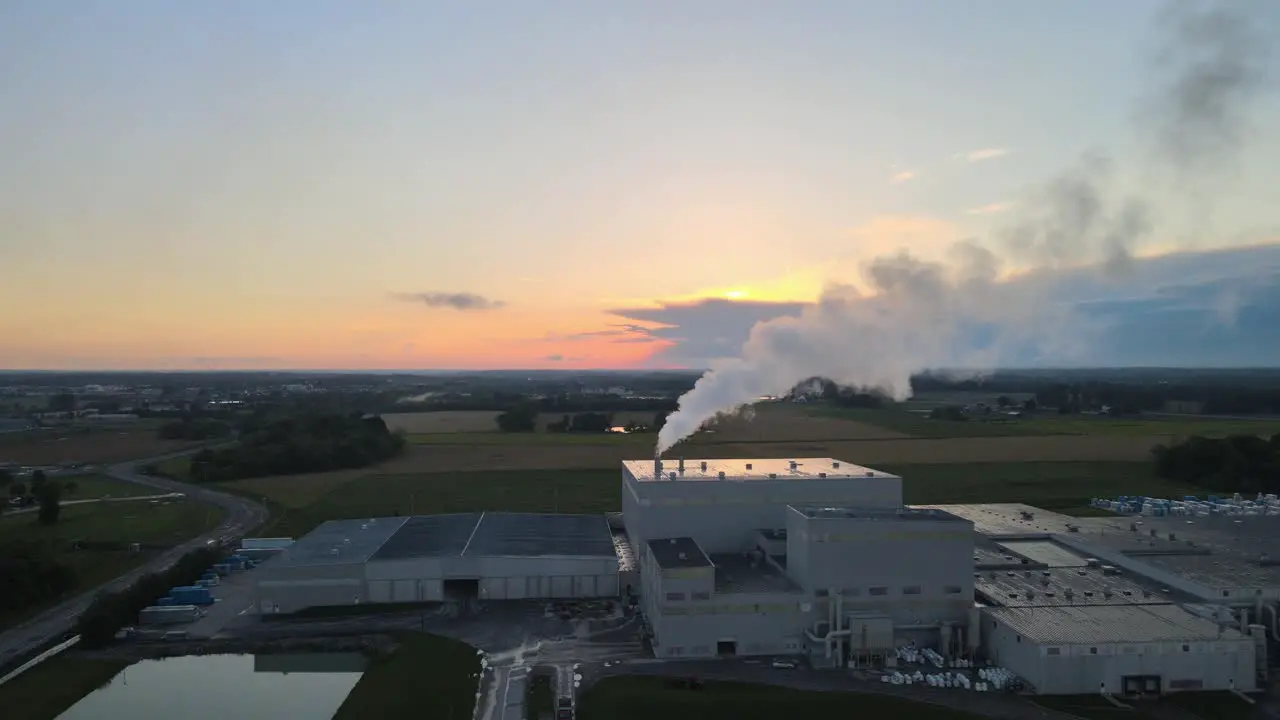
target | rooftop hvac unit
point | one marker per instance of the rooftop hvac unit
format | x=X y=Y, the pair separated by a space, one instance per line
x=704 y=466
x=748 y=466
x=671 y=475
x=835 y=464
x=1031 y=594
x=822 y=474
x=721 y=475
x=870 y=473
x=682 y=556
x=794 y=464
x=773 y=476
x=1173 y=536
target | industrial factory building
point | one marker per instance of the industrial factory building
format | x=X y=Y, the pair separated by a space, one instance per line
x=482 y=556
x=819 y=557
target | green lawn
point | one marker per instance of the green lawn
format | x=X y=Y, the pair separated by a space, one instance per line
x=47 y=690
x=99 y=486
x=645 y=698
x=154 y=524
x=1062 y=486
x=919 y=425
x=426 y=677
x=178 y=468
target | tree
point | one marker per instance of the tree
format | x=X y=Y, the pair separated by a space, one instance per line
x=6 y=478
x=62 y=402
x=17 y=489
x=49 y=496
x=37 y=480
x=518 y=419
x=1003 y=401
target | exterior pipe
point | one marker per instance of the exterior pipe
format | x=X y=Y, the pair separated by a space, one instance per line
x=1275 y=623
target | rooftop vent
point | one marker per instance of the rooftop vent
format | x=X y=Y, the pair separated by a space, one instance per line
x=680 y=467
x=794 y=464
x=835 y=463
x=682 y=556
x=672 y=541
x=871 y=473
x=1173 y=536
x=721 y=475
x=1069 y=593
x=822 y=474
x=1030 y=593
x=1153 y=532
x=704 y=466
x=748 y=466
x=773 y=476
x=671 y=475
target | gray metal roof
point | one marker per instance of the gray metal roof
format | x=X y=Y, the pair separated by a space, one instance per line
x=1103 y=624
x=678 y=552
x=540 y=535
x=339 y=542
x=736 y=574
x=430 y=536
x=814 y=512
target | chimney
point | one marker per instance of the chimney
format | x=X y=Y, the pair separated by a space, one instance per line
x=657 y=467
x=704 y=466
x=748 y=466
x=794 y=464
x=681 y=466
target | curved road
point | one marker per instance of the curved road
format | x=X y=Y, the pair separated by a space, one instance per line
x=242 y=516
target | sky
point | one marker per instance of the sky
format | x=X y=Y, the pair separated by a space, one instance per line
x=555 y=184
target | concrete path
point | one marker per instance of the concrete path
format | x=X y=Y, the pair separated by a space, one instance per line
x=242 y=516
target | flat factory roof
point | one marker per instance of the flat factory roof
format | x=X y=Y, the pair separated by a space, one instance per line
x=452 y=535
x=1105 y=624
x=678 y=552
x=998 y=519
x=740 y=470
x=425 y=536
x=1066 y=587
x=1045 y=552
x=541 y=535
x=854 y=513
x=737 y=574
x=339 y=542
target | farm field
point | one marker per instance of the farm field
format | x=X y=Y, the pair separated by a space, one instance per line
x=918 y=425
x=628 y=698
x=157 y=525
x=84 y=445
x=445 y=421
x=1062 y=486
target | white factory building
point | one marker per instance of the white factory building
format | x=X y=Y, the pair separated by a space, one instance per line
x=432 y=558
x=820 y=558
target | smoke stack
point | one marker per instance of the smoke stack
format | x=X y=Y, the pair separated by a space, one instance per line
x=657 y=467
x=681 y=466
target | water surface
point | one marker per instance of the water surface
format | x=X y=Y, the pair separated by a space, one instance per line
x=217 y=687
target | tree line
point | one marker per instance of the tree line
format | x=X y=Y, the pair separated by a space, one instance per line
x=41 y=490
x=195 y=428
x=524 y=418
x=299 y=444
x=1246 y=464
x=111 y=611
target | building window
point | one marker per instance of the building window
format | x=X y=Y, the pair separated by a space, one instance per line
x=911 y=590
x=1093 y=651
x=878 y=591
x=953 y=590
x=701 y=596
x=1226 y=593
x=1053 y=651
x=1019 y=638
x=1186 y=648
x=675 y=596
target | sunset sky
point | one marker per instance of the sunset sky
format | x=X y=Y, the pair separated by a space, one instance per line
x=539 y=184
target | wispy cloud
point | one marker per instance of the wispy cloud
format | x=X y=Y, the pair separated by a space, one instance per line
x=451 y=300
x=629 y=333
x=902 y=176
x=982 y=154
x=555 y=358
x=989 y=208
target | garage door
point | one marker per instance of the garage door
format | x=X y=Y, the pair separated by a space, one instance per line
x=379 y=591
x=562 y=586
x=405 y=591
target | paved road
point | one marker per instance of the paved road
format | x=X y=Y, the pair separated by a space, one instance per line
x=242 y=516
x=65 y=503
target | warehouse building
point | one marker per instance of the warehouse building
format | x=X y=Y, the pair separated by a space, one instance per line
x=1089 y=605
x=816 y=555
x=462 y=557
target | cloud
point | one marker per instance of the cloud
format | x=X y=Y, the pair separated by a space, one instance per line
x=555 y=358
x=624 y=333
x=462 y=301
x=901 y=176
x=989 y=209
x=1215 y=309
x=979 y=155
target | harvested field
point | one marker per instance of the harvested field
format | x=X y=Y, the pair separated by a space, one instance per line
x=781 y=423
x=84 y=445
x=538 y=454
x=445 y=421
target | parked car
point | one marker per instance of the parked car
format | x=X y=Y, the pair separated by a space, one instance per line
x=564 y=708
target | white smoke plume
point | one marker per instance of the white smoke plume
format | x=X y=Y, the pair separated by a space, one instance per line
x=920 y=315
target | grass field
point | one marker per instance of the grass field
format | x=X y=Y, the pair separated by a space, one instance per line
x=644 y=698
x=84 y=445
x=47 y=690
x=100 y=486
x=426 y=677
x=919 y=425
x=1064 y=487
x=156 y=525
